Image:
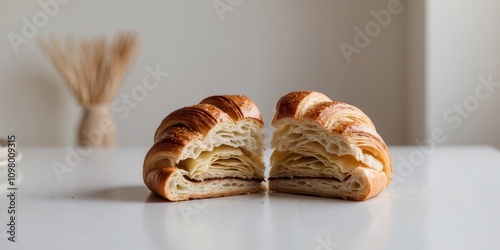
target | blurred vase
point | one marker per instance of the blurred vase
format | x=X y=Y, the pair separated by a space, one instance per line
x=97 y=128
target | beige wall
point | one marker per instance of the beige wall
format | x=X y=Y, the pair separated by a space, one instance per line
x=416 y=71
x=262 y=49
x=463 y=44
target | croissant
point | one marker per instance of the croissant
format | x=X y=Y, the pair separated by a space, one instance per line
x=211 y=149
x=326 y=148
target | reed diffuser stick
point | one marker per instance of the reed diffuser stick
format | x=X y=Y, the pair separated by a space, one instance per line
x=93 y=70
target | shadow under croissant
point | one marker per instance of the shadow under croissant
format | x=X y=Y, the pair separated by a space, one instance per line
x=138 y=193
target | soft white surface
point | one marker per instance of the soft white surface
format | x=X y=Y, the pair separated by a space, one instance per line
x=451 y=201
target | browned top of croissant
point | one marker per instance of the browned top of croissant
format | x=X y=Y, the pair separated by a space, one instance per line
x=211 y=110
x=191 y=123
x=335 y=117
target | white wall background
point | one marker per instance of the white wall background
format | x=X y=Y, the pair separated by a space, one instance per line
x=463 y=43
x=426 y=59
x=262 y=49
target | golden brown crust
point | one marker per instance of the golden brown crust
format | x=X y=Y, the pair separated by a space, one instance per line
x=166 y=151
x=157 y=179
x=199 y=118
x=378 y=181
x=371 y=142
x=327 y=111
x=295 y=103
x=186 y=125
x=236 y=106
x=339 y=118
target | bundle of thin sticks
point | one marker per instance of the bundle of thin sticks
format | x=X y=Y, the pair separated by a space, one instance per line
x=93 y=69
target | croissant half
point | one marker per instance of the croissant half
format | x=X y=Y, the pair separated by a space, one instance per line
x=326 y=148
x=211 y=149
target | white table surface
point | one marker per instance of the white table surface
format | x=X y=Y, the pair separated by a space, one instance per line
x=450 y=201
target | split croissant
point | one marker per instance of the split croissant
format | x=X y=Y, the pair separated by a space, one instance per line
x=211 y=149
x=326 y=148
x=215 y=148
